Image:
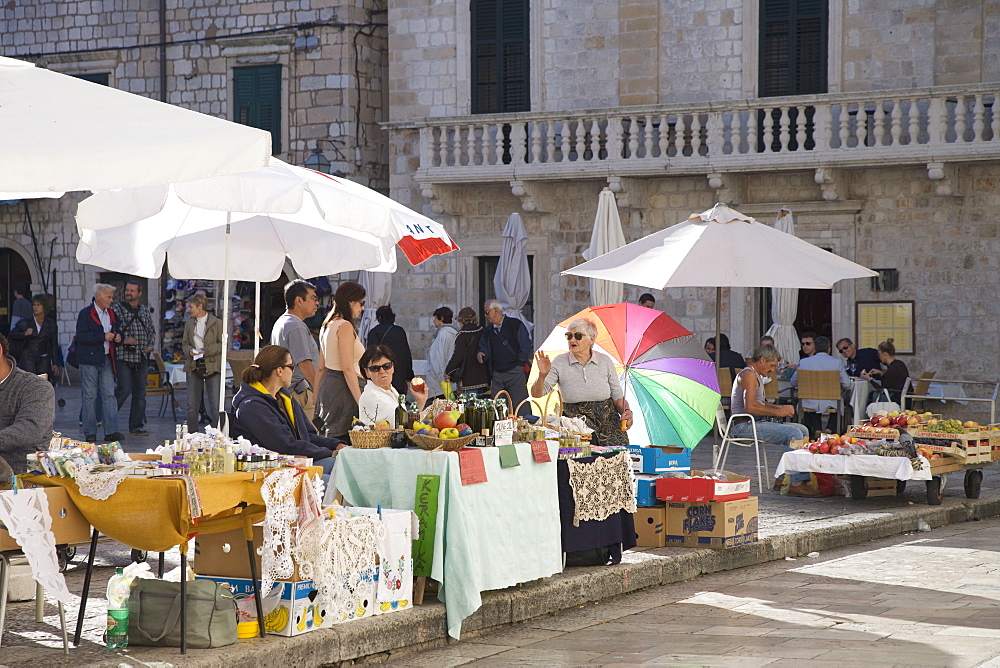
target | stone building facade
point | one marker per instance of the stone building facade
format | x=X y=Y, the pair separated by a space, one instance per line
x=887 y=154
x=327 y=66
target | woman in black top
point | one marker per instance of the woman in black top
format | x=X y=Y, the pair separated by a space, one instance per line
x=894 y=376
x=36 y=341
x=464 y=368
x=388 y=333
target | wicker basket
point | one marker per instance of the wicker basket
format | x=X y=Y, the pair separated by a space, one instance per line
x=369 y=440
x=425 y=442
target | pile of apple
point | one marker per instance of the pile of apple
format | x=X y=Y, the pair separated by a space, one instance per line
x=834 y=444
x=896 y=419
x=445 y=426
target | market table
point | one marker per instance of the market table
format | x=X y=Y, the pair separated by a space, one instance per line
x=153 y=514
x=489 y=535
x=874 y=466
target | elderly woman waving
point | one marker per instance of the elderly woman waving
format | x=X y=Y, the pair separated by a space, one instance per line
x=589 y=385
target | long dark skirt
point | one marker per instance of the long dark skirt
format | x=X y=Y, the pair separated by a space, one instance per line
x=603 y=418
x=335 y=405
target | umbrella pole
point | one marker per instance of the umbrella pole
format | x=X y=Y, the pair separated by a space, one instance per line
x=223 y=423
x=718 y=356
x=256 y=324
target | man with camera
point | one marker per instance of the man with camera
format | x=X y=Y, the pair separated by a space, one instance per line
x=135 y=323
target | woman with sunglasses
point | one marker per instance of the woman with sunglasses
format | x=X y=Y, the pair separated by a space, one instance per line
x=340 y=387
x=379 y=398
x=267 y=415
x=589 y=384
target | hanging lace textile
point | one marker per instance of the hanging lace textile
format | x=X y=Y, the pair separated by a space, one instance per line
x=25 y=513
x=601 y=488
x=278 y=490
x=98 y=486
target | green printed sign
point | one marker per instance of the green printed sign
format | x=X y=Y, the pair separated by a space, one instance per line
x=426 y=507
x=508 y=456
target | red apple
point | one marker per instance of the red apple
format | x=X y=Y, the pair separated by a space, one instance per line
x=824 y=448
x=814 y=448
x=834 y=449
x=446 y=419
x=901 y=421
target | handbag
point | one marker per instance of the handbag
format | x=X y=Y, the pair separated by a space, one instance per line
x=888 y=405
x=155 y=614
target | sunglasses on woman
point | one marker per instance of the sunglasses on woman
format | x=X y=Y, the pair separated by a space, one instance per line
x=375 y=368
x=574 y=335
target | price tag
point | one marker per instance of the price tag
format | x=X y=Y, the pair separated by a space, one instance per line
x=470 y=462
x=503 y=432
x=508 y=456
x=540 y=449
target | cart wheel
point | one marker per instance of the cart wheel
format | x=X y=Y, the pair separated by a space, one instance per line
x=62 y=554
x=859 y=487
x=138 y=556
x=71 y=552
x=934 y=495
x=900 y=487
x=973 y=481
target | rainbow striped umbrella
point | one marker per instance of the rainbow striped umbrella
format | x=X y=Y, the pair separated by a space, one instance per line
x=670 y=383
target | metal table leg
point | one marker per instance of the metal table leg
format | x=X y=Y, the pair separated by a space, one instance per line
x=86 y=587
x=62 y=623
x=254 y=576
x=4 y=581
x=39 y=603
x=184 y=598
x=159 y=569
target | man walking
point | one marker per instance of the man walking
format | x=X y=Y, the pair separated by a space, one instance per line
x=291 y=332
x=96 y=343
x=506 y=349
x=135 y=323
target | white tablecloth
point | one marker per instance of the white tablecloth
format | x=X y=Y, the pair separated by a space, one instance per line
x=177 y=377
x=860 y=389
x=946 y=390
x=868 y=465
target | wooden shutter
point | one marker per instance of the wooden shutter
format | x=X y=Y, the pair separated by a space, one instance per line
x=500 y=56
x=793 y=47
x=257 y=100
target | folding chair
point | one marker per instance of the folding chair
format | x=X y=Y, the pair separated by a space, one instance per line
x=159 y=385
x=755 y=443
x=821 y=386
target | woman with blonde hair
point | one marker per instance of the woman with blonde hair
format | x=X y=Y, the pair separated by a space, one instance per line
x=341 y=385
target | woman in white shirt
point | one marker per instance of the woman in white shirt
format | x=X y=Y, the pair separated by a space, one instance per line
x=379 y=399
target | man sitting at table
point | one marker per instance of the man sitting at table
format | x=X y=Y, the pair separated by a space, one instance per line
x=858 y=360
x=748 y=397
x=27 y=411
x=821 y=361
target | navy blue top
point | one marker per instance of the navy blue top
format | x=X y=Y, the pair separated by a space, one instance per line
x=507 y=348
x=865 y=359
x=260 y=419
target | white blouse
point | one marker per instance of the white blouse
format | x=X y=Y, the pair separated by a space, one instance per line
x=377 y=405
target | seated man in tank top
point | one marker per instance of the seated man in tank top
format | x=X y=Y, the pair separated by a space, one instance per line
x=748 y=397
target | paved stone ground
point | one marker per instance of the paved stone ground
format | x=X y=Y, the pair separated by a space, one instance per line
x=928 y=599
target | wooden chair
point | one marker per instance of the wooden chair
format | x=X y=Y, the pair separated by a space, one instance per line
x=158 y=384
x=239 y=361
x=920 y=387
x=725 y=385
x=822 y=386
x=725 y=426
x=771 y=389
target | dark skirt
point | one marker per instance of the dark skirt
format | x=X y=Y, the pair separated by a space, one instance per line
x=335 y=405
x=603 y=418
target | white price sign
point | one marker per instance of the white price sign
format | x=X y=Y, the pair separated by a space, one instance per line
x=503 y=432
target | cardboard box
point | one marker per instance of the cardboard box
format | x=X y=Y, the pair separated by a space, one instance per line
x=649 y=526
x=292 y=611
x=734 y=487
x=660 y=459
x=68 y=525
x=715 y=525
x=645 y=489
x=225 y=554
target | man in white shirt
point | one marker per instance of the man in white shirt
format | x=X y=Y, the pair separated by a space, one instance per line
x=820 y=361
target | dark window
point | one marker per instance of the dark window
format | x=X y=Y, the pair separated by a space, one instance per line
x=486 y=270
x=500 y=56
x=793 y=47
x=257 y=100
x=95 y=77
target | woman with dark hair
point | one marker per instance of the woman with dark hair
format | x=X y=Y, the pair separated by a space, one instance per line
x=340 y=387
x=388 y=333
x=464 y=367
x=442 y=348
x=267 y=415
x=380 y=399
x=35 y=340
x=894 y=376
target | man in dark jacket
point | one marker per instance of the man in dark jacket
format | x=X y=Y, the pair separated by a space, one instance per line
x=506 y=348
x=388 y=333
x=27 y=411
x=857 y=360
x=96 y=339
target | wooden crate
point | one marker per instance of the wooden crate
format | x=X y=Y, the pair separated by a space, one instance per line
x=881 y=487
x=868 y=433
x=946 y=465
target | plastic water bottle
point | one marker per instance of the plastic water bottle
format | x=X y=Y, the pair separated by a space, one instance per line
x=116 y=636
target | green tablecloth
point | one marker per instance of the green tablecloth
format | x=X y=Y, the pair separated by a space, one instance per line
x=490 y=535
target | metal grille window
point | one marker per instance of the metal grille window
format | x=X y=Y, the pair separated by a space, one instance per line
x=793 y=47
x=500 y=80
x=257 y=100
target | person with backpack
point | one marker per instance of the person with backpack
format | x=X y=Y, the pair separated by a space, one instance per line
x=388 y=333
x=136 y=325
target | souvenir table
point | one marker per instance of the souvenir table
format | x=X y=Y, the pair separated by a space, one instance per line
x=489 y=535
x=154 y=514
x=616 y=532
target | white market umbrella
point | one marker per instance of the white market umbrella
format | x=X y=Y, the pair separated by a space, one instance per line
x=62 y=133
x=784 y=302
x=606 y=237
x=512 y=280
x=244 y=227
x=378 y=288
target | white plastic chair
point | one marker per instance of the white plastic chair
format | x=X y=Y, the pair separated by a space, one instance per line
x=755 y=443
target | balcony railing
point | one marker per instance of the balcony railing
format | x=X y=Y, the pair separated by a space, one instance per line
x=938 y=124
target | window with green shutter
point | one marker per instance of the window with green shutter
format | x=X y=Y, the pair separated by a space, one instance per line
x=257 y=100
x=793 y=47
x=500 y=80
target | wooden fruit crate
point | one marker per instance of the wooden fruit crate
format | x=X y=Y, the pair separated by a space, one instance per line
x=868 y=433
x=967 y=446
x=946 y=465
x=881 y=487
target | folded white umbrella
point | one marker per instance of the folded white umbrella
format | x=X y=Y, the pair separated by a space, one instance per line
x=512 y=280
x=606 y=236
x=62 y=133
x=784 y=302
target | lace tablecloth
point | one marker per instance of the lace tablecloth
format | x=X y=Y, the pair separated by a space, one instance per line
x=601 y=487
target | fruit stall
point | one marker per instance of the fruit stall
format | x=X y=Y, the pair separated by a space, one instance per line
x=891 y=448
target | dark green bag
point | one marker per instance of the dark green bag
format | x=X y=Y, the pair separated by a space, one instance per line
x=155 y=614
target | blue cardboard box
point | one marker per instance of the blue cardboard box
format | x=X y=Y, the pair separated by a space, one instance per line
x=645 y=492
x=656 y=459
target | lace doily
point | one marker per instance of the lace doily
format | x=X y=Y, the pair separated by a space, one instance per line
x=98 y=486
x=25 y=513
x=309 y=505
x=601 y=488
x=338 y=555
x=278 y=490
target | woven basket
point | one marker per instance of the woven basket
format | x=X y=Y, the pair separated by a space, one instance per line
x=369 y=440
x=425 y=442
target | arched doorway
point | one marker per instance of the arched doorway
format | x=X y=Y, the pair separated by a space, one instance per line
x=14 y=273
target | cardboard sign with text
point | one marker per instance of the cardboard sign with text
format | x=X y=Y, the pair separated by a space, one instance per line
x=503 y=432
x=716 y=524
x=426 y=507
